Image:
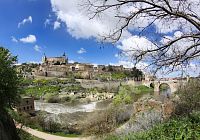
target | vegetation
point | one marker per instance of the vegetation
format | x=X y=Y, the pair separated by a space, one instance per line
x=128 y=94
x=186 y=128
x=164 y=87
x=102 y=122
x=9 y=92
x=38 y=91
x=43 y=82
x=184 y=123
x=26 y=136
x=9 y=81
x=189 y=95
x=111 y=74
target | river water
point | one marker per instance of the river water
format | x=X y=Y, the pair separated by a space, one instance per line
x=57 y=108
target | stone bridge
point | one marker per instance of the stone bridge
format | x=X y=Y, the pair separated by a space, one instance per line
x=173 y=84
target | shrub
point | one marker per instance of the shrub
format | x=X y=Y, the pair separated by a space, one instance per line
x=189 y=95
x=66 y=99
x=53 y=99
x=102 y=122
x=186 y=128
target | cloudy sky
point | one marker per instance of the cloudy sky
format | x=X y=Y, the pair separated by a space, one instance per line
x=30 y=28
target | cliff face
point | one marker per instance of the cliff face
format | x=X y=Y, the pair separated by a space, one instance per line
x=7 y=127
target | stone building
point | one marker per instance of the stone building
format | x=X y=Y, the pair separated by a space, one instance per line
x=62 y=60
x=26 y=105
x=59 y=67
x=53 y=67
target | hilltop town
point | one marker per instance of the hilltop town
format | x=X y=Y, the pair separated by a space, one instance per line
x=60 y=67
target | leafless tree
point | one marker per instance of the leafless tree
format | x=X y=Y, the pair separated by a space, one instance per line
x=175 y=15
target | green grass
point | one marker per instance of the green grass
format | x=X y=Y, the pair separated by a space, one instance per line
x=143 y=89
x=38 y=91
x=128 y=94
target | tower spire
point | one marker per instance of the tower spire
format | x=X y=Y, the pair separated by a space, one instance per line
x=64 y=54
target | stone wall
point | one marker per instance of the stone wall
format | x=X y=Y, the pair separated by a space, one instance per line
x=108 y=84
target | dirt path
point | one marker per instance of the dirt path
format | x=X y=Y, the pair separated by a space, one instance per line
x=47 y=136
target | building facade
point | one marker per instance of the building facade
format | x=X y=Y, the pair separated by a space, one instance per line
x=26 y=105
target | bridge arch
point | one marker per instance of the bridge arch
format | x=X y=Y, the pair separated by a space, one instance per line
x=165 y=89
x=173 y=84
x=151 y=85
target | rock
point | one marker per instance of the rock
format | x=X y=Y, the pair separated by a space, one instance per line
x=168 y=109
x=147 y=112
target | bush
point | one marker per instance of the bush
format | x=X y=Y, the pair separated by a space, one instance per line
x=186 y=128
x=53 y=99
x=123 y=96
x=66 y=99
x=189 y=95
x=128 y=94
x=102 y=122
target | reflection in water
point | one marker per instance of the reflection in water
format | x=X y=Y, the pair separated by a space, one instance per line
x=166 y=92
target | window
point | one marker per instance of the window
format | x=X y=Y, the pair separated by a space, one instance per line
x=27 y=107
x=24 y=108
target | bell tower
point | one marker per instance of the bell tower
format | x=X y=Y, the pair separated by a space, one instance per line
x=44 y=58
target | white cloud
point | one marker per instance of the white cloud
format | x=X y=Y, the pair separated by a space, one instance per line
x=82 y=50
x=56 y=25
x=133 y=45
x=116 y=55
x=136 y=43
x=78 y=23
x=71 y=61
x=37 y=48
x=178 y=34
x=34 y=62
x=29 y=39
x=129 y=64
x=26 y=20
x=14 y=39
x=47 y=22
x=80 y=26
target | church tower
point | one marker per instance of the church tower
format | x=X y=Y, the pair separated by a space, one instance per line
x=44 y=58
x=65 y=57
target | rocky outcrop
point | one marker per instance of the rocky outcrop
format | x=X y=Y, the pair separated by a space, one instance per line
x=7 y=127
x=166 y=108
x=147 y=112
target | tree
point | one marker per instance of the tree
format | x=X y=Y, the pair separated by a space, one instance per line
x=9 y=81
x=181 y=17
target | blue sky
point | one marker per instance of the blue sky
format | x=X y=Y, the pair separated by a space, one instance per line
x=52 y=42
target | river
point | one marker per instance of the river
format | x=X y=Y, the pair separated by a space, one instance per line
x=57 y=108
